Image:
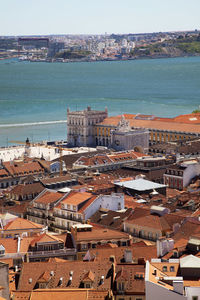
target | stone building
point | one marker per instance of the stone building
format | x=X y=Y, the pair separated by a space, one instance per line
x=82 y=131
x=125 y=138
x=80 y=126
x=161 y=130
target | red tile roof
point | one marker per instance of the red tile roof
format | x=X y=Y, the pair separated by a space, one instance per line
x=19 y=224
x=48 y=196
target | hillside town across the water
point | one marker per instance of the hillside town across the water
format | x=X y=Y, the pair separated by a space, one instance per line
x=113 y=213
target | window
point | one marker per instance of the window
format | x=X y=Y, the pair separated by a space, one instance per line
x=121 y=286
x=172 y=269
x=83 y=246
x=164 y=268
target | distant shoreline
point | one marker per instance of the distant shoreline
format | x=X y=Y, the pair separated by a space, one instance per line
x=106 y=59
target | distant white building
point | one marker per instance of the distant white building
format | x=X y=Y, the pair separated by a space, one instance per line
x=125 y=138
x=180 y=175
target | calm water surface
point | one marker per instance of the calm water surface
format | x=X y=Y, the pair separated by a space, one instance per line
x=41 y=92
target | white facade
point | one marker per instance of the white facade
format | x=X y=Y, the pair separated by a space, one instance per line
x=164 y=246
x=112 y=202
x=192 y=170
x=158 y=285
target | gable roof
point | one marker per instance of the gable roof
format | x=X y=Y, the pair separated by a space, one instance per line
x=27 y=189
x=19 y=224
x=75 y=198
x=48 y=196
x=190 y=261
x=151 y=221
x=63 y=270
x=45 y=238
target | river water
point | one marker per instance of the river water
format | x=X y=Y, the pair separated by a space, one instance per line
x=34 y=96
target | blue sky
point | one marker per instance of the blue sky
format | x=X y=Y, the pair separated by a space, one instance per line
x=29 y=17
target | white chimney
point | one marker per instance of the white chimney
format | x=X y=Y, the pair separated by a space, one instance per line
x=178 y=286
x=128 y=256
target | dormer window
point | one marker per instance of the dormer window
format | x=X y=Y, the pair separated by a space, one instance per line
x=2 y=250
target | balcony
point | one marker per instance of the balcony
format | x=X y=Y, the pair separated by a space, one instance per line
x=52 y=253
x=63 y=227
x=70 y=218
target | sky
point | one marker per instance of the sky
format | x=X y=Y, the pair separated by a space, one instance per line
x=43 y=17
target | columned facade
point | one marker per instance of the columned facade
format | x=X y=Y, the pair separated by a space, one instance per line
x=80 y=126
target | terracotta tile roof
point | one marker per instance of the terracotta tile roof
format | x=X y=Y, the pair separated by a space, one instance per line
x=139 y=212
x=156 y=123
x=63 y=294
x=75 y=198
x=27 y=189
x=87 y=204
x=89 y=276
x=62 y=270
x=139 y=250
x=3 y=173
x=151 y=221
x=128 y=274
x=48 y=196
x=10 y=245
x=94 y=160
x=19 y=224
x=190 y=227
x=100 y=233
x=19 y=209
x=106 y=159
x=8 y=261
x=22 y=168
x=56 y=179
x=125 y=156
x=112 y=219
x=193 y=118
x=45 y=238
x=19 y=295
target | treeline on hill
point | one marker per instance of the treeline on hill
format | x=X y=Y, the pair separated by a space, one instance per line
x=188 y=45
x=72 y=54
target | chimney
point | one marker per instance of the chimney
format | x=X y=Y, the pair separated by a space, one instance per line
x=178 y=286
x=102 y=280
x=16 y=269
x=128 y=256
x=18 y=244
x=141 y=261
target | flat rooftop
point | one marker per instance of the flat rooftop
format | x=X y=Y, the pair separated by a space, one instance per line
x=140 y=184
x=49 y=153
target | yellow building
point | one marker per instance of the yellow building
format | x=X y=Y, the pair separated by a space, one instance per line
x=161 y=130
